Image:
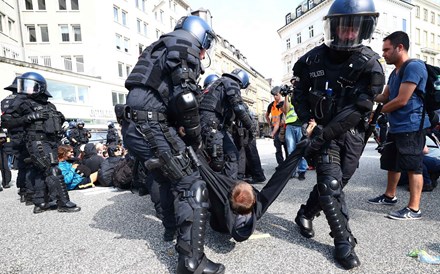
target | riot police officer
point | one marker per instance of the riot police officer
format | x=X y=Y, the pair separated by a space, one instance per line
x=335 y=85
x=162 y=100
x=112 y=134
x=79 y=136
x=18 y=147
x=208 y=81
x=220 y=106
x=42 y=125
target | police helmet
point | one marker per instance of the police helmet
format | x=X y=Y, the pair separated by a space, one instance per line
x=110 y=124
x=72 y=124
x=12 y=87
x=209 y=80
x=198 y=28
x=348 y=23
x=32 y=83
x=80 y=123
x=239 y=75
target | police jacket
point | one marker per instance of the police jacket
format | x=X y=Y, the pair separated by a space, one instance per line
x=330 y=83
x=105 y=173
x=112 y=136
x=81 y=135
x=36 y=130
x=165 y=69
x=16 y=134
x=223 y=100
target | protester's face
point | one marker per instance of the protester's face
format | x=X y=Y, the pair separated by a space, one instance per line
x=390 y=53
x=277 y=97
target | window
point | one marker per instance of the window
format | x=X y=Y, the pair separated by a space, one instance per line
x=42 y=4
x=62 y=4
x=432 y=17
x=2 y=17
x=310 y=4
x=67 y=62
x=47 y=61
x=432 y=40
x=115 y=14
x=74 y=4
x=126 y=44
x=64 y=33
x=44 y=33
x=124 y=18
x=310 y=31
x=137 y=3
x=28 y=4
x=404 y=25
x=128 y=69
x=66 y=92
x=118 y=98
x=298 y=38
x=33 y=59
x=417 y=38
x=157 y=33
x=298 y=11
x=120 y=72
x=79 y=63
x=32 y=35
x=140 y=48
x=118 y=41
x=289 y=66
x=145 y=29
x=417 y=11
x=425 y=38
x=161 y=16
x=77 y=33
x=138 y=25
x=425 y=58
x=438 y=19
x=288 y=43
x=431 y=61
x=425 y=14
x=10 y=26
x=143 y=4
x=288 y=18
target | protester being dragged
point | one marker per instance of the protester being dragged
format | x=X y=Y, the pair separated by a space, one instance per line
x=75 y=176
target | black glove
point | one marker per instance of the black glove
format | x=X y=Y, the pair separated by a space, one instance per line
x=314 y=146
x=37 y=115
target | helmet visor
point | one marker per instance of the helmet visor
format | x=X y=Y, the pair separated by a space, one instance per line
x=208 y=40
x=29 y=86
x=348 y=32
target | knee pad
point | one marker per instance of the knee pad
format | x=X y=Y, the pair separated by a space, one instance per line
x=328 y=186
x=197 y=195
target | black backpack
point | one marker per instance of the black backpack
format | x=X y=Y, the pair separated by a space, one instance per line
x=123 y=174
x=431 y=98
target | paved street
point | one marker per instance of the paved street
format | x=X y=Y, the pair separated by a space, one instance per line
x=117 y=232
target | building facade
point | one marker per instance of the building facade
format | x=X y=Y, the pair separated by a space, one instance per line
x=303 y=29
x=86 y=49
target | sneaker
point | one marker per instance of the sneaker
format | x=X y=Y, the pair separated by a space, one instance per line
x=405 y=214
x=383 y=200
x=301 y=176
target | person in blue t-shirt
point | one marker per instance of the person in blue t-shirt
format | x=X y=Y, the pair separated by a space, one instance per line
x=406 y=134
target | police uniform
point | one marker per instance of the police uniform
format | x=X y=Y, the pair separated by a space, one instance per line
x=220 y=106
x=162 y=98
x=42 y=125
x=79 y=136
x=18 y=147
x=335 y=85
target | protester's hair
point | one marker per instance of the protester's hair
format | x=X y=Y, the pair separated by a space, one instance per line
x=398 y=37
x=63 y=150
x=242 y=198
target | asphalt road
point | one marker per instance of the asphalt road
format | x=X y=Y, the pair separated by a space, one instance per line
x=117 y=232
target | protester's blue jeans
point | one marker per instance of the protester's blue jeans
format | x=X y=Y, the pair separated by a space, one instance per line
x=293 y=136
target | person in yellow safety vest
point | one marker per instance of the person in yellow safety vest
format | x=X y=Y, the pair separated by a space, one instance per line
x=293 y=134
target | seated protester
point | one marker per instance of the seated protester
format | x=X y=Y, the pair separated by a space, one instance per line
x=105 y=173
x=91 y=159
x=75 y=177
x=101 y=149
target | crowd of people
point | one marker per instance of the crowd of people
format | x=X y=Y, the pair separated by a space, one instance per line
x=193 y=149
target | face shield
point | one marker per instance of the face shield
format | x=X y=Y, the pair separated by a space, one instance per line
x=29 y=86
x=208 y=44
x=348 y=31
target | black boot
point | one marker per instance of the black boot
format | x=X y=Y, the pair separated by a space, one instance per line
x=306 y=214
x=58 y=187
x=188 y=265
x=169 y=235
x=40 y=208
x=345 y=255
